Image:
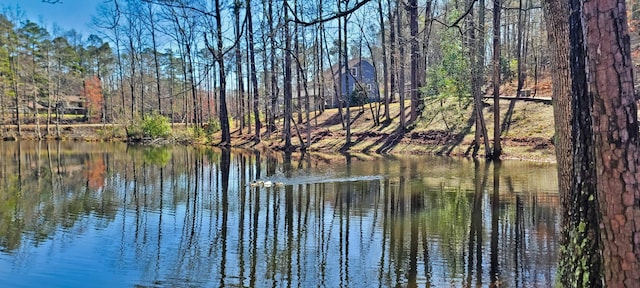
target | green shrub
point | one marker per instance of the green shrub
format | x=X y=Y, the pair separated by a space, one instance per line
x=212 y=127
x=156 y=126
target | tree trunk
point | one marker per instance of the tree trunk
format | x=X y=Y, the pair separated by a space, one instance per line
x=14 y=84
x=401 y=63
x=224 y=116
x=287 y=80
x=520 y=49
x=393 y=69
x=579 y=265
x=477 y=79
x=348 y=76
x=156 y=62
x=299 y=62
x=615 y=135
x=415 y=59
x=385 y=67
x=497 y=147
x=274 y=81
x=254 y=76
x=238 y=56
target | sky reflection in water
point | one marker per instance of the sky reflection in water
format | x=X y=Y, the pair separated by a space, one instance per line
x=108 y=215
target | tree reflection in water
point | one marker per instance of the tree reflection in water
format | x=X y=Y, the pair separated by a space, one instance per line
x=122 y=215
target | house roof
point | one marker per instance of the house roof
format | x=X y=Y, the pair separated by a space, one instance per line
x=73 y=98
x=333 y=71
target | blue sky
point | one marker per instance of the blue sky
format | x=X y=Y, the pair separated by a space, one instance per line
x=68 y=14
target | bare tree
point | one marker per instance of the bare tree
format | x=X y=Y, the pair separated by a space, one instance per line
x=253 y=72
x=497 y=146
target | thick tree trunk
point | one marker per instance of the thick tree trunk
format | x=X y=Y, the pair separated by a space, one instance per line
x=580 y=261
x=569 y=272
x=615 y=129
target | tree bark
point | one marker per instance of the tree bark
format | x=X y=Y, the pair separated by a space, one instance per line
x=580 y=263
x=615 y=135
x=385 y=67
x=401 y=63
x=287 y=80
x=253 y=72
x=348 y=75
x=274 y=81
x=477 y=79
x=497 y=147
x=415 y=59
x=238 y=58
x=393 y=55
x=224 y=116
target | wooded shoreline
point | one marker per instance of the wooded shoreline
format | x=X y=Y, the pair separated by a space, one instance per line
x=528 y=138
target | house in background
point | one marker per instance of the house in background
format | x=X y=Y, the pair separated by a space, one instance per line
x=361 y=75
x=72 y=104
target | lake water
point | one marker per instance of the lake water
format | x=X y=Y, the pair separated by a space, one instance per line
x=112 y=215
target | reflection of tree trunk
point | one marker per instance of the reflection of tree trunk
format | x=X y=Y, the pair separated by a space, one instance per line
x=241 y=214
x=136 y=200
x=160 y=208
x=287 y=167
x=288 y=194
x=494 y=273
x=475 y=230
x=416 y=207
x=397 y=219
x=254 y=228
x=426 y=259
x=225 y=163
x=258 y=165
x=385 y=223
x=519 y=248
x=19 y=162
x=273 y=261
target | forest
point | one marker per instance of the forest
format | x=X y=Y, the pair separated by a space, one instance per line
x=277 y=64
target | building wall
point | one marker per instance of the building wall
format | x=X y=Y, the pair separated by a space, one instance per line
x=362 y=73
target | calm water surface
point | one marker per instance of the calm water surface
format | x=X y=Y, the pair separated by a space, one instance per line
x=111 y=215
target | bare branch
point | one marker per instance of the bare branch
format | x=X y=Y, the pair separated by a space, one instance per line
x=180 y=5
x=332 y=17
